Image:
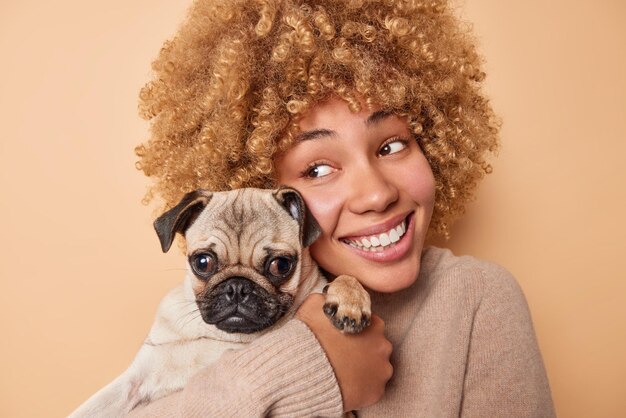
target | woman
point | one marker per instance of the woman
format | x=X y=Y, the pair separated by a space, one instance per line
x=373 y=111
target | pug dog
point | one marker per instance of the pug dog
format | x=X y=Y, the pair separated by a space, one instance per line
x=248 y=270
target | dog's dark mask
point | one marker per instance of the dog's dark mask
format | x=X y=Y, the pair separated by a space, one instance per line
x=239 y=305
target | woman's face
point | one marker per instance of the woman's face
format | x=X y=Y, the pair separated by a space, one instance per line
x=369 y=186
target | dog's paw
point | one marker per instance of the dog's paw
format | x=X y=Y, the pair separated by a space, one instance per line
x=347 y=304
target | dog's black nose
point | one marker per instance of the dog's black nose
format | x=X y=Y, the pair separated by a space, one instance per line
x=237 y=289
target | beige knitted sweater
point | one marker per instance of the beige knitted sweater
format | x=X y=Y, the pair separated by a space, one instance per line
x=463 y=343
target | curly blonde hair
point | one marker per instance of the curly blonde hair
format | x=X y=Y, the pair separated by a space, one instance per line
x=231 y=86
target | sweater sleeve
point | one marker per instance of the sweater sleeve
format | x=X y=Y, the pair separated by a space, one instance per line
x=505 y=375
x=285 y=373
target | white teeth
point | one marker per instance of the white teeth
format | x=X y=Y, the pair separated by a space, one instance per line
x=378 y=242
x=384 y=240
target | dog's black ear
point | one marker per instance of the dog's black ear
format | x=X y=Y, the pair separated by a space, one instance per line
x=180 y=217
x=293 y=203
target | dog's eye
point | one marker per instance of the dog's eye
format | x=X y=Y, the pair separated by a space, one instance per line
x=204 y=264
x=280 y=267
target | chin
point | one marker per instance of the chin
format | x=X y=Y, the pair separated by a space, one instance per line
x=389 y=284
x=386 y=279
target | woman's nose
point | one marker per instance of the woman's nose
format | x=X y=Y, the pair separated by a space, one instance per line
x=371 y=190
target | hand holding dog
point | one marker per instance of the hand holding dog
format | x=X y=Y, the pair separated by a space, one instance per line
x=360 y=361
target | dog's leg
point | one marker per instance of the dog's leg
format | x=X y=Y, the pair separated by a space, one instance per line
x=136 y=386
x=347 y=304
x=112 y=401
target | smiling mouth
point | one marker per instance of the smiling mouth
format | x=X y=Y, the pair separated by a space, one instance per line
x=379 y=242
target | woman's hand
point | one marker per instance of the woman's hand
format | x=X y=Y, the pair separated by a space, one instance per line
x=360 y=361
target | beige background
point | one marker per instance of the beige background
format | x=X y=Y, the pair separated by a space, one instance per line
x=81 y=269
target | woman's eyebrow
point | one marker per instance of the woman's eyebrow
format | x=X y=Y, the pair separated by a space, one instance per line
x=314 y=134
x=377 y=117
x=373 y=119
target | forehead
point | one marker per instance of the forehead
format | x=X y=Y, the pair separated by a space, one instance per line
x=334 y=119
x=244 y=220
x=332 y=112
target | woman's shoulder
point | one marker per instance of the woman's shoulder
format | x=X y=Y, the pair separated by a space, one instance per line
x=442 y=268
x=452 y=291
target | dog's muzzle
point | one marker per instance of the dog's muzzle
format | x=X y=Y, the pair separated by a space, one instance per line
x=238 y=305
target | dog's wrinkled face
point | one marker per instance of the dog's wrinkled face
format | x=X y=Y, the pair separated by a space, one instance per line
x=243 y=262
x=244 y=253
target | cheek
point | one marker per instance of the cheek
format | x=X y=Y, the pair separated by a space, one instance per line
x=198 y=286
x=318 y=252
x=420 y=184
x=424 y=191
x=325 y=208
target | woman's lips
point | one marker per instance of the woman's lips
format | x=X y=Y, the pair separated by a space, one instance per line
x=377 y=242
x=384 y=251
x=377 y=229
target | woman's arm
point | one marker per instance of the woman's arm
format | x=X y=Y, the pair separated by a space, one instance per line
x=360 y=361
x=288 y=373
x=285 y=372
x=505 y=375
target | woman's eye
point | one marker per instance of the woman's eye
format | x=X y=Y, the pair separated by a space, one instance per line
x=392 y=147
x=204 y=264
x=319 y=170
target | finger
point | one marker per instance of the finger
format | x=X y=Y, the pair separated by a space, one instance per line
x=312 y=302
x=389 y=374
x=377 y=323
x=314 y=298
x=389 y=348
